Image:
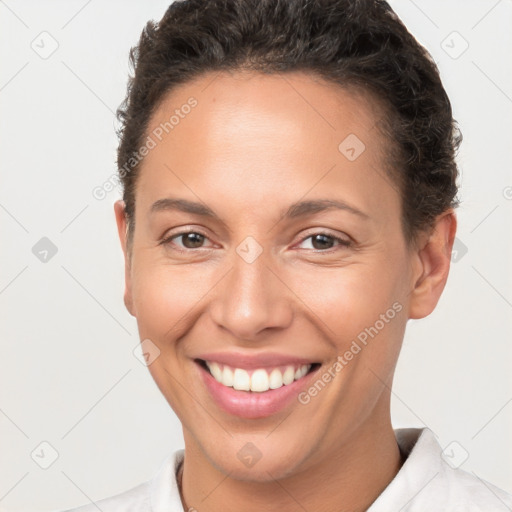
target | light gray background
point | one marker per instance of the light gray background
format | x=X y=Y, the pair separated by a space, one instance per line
x=68 y=374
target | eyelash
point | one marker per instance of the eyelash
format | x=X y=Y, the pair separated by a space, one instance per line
x=341 y=241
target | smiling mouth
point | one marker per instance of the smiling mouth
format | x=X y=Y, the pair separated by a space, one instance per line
x=258 y=380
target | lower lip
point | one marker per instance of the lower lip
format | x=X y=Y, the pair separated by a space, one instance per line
x=250 y=404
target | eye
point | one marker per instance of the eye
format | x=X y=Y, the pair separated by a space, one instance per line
x=189 y=240
x=324 y=241
x=321 y=242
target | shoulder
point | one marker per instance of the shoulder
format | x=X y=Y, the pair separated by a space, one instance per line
x=471 y=493
x=430 y=480
x=136 y=499
x=161 y=492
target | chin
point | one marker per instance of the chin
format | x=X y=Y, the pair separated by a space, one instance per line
x=256 y=460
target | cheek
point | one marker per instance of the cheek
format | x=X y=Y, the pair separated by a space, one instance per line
x=348 y=300
x=363 y=305
x=165 y=297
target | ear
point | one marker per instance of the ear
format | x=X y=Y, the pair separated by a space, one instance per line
x=432 y=259
x=119 y=209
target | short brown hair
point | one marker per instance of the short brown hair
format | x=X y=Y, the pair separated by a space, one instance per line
x=359 y=43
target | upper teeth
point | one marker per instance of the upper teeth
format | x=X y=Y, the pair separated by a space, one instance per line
x=260 y=380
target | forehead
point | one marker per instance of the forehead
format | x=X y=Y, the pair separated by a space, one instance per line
x=273 y=136
x=235 y=103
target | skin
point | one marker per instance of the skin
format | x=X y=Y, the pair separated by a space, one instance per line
x=252 y=146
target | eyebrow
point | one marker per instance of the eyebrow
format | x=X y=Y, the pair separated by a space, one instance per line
x=298 y=209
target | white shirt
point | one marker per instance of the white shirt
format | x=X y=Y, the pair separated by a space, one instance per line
x=425 y=483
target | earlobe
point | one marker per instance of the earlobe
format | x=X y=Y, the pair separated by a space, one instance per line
x=433 y=259
x=122 y=225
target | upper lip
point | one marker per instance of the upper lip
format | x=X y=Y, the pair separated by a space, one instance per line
x=254 y=361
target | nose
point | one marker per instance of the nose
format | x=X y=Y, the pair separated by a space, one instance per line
x=251 y=299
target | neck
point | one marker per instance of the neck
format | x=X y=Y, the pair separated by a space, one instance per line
x=353 y=475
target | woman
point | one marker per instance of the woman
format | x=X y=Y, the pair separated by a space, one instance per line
x=289 y=192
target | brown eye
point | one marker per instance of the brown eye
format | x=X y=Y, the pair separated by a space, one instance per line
x=189 y=240
x=323 y=241
x=192 y=240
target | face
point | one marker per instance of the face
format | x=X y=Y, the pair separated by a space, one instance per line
x=268 y=236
